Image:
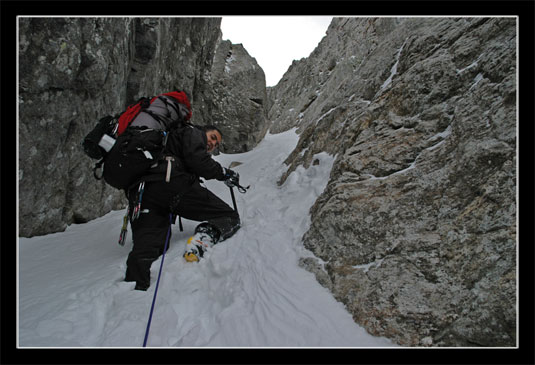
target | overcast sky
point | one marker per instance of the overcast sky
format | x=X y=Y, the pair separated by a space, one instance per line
x=275 y=41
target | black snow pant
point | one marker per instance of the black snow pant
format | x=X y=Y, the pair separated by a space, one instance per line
x=150 y=229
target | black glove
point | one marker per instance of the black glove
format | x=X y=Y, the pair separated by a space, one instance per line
x=231 y=178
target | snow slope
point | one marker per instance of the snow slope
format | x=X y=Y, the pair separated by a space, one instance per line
x=248 y=292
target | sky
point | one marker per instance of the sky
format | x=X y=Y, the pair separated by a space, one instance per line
x=275 y=41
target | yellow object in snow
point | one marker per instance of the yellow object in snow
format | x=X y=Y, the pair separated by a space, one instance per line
x=195 y=247
x=191 y=257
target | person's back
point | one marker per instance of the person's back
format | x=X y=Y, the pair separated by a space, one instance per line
x=177 y=191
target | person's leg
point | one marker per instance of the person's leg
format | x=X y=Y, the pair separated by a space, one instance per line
x=200 y=204
x=149 y=233
x=219 y=221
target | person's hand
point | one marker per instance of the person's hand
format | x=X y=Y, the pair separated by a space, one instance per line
x=232 y=178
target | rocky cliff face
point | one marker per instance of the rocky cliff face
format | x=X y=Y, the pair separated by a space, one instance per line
x=239 y=103
x=74 y=71
x=416 y=230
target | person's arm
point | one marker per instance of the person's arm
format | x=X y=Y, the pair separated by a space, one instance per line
x=196 y=158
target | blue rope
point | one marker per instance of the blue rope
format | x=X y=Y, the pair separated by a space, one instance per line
x=158 y=282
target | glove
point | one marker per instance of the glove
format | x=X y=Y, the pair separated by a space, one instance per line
x=231 y=178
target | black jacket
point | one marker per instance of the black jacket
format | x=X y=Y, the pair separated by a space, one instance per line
x=188 y=146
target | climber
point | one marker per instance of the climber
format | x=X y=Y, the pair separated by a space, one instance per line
x=179 y=193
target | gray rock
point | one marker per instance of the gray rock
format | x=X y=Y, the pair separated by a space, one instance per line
x=239 y=103
x=416 y=229
x=74 y=71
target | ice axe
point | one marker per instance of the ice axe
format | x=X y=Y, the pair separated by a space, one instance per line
x=241 y=189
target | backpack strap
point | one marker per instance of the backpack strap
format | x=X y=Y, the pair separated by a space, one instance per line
x=171 y=103
x=180 y=110
x=98 y=165
x=166 y=122
x=183 y=101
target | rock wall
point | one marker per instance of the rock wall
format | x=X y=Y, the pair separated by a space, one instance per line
x=416 y=230
x=239 y=103
x=72 y=71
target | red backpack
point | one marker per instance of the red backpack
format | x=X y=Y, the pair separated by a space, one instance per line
x=127 y=156
x=99 y=141
x=133 y=110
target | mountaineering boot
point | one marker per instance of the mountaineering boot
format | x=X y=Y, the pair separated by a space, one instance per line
x=197 y=245
x=139 y=271
x=205 y=237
